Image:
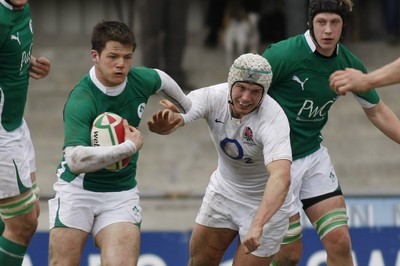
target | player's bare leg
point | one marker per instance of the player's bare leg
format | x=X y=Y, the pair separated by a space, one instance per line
x=330 y=219
x=19 y=216
x=292 y=247
x=119 y=244
x=241 y=258
x=36 y=191
x=66 y=245
x=208 y=245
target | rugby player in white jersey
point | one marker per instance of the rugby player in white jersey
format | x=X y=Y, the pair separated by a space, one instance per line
x=248 y=194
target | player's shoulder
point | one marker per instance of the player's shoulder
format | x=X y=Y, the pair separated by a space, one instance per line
x=144 y=75
x=212 y=94
x=350 y=59
x=291 y=44
x=270 y=108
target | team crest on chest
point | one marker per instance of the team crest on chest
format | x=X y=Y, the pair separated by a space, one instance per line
x=140 y=109
x=248 y=137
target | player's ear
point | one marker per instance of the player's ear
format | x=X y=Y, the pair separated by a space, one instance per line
x=95 y=56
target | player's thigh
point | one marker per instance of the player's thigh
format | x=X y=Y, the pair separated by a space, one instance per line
x=329 y=217
x=119 y=244
x=321 y=208
x=210 y=242
x=19 y=216
x=241 y=258
x=66 y=245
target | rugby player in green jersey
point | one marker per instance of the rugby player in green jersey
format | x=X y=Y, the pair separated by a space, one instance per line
x=89 y=198
x=302 y=65
x=19 y=193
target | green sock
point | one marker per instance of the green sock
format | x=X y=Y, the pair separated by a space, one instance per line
x=11 y=254
x=2 y=225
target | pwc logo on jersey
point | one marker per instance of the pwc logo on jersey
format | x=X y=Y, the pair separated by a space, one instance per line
x=314 y=109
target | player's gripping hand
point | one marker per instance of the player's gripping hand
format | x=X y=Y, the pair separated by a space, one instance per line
x=342 y=81
x=40 y=67
x=165 y=122
x=252 y=240
x=134 y=135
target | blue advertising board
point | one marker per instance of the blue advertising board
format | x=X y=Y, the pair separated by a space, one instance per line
x=374 y=228
x=371 y=246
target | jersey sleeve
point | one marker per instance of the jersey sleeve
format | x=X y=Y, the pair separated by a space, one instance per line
x=170 y=90
x=78 y=117
x=281 y=63
x=199 y=99
x=275 y=136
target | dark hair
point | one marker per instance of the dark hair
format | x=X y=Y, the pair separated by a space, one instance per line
x=112 y=31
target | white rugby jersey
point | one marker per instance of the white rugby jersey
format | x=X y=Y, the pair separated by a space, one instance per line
x=244 y=146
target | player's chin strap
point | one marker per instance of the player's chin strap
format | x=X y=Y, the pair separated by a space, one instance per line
x=330 y=221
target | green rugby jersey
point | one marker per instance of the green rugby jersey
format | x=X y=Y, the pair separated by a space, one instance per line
x=300 y=85
x=85 y=102
x=16 y=39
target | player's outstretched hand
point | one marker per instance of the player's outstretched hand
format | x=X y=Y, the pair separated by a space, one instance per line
x=350 y=79
x=133 y=134
x=40 y=67
x=165 y=122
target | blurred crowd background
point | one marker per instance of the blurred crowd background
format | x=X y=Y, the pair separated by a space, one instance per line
x=186 y=39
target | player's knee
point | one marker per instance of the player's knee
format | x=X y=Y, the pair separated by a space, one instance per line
x=291 y=248
x=339 y=243
x=210 y=259
x=288 y=255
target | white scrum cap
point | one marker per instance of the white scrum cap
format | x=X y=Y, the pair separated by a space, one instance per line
x=252 y=68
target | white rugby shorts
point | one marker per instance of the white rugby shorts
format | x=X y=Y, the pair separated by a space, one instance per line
x=90 y=211
x=17 y=161
x=313 y=176
x=223 y=209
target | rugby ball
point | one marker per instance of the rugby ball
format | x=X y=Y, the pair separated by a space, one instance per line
x=108 y=130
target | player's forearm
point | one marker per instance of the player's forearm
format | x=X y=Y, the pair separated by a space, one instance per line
x=386 y=75
x=171 y=91
x=81 y=159
x=385 y=120
x=274 y=196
